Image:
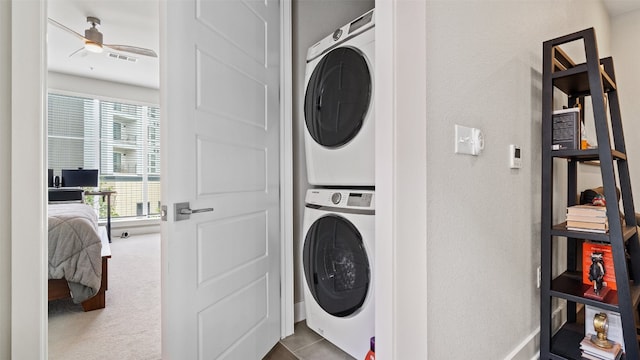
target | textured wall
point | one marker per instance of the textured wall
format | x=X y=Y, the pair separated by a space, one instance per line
x=484 y=70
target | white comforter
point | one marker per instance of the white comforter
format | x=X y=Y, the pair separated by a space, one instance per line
x=75 y=248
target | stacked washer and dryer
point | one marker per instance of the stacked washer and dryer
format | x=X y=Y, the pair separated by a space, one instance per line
x=338 y=231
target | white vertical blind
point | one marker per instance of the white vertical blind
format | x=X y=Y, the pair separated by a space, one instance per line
x=119 y=139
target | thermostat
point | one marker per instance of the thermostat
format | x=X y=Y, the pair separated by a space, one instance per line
x=515 y=157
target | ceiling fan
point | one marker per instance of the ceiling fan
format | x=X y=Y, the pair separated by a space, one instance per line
x=93 y=39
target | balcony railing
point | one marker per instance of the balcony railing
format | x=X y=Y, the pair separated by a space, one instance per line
x=125 y=168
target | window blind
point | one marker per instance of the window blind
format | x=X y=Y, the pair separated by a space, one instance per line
x=121 y=140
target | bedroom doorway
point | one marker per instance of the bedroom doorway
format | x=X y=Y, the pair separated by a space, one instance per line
x=103 y=113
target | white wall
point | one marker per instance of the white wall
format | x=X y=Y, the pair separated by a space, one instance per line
x=625 y=33
x=102 y=89
x=484 y=70
x=312 y=21
x=5 y=178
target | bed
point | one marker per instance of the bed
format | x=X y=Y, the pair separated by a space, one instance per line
x=78 y=255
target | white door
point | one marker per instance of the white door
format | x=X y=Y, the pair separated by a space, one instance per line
x=220 y=105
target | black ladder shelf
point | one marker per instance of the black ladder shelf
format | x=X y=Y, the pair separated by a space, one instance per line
x=594 y=78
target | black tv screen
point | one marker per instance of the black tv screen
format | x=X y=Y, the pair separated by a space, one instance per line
x=79 y=177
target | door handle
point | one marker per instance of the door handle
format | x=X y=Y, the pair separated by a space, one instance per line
x=189 y=211
x=182 y=211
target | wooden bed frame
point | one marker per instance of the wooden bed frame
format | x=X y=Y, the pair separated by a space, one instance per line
x=59 y=289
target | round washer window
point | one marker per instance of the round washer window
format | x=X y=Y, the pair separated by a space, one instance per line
x=337 y=97
x=336 y=266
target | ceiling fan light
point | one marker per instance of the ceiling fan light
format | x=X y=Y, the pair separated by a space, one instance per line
x=93 y=47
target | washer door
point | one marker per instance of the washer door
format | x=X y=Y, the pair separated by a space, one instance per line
x=337 y=98
x=336 y=266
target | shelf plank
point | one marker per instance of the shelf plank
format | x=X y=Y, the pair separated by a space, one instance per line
x=586 y=155
x=561 y=60
x=569 y=286
x=561 y=230
x=575 y=80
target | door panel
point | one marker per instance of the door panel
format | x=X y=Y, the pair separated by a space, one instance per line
x=253 y=298
x=230 y=101
x=225 y=168
x=216 y=16
x=220 y=97
x=233 y=242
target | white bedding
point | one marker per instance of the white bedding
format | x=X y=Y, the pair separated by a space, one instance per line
x=75 y=248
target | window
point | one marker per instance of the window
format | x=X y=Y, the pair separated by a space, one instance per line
x=121 y=140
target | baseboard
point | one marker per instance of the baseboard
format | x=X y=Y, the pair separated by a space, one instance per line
x=130 y=227
x=299 y=313
x=529 y=348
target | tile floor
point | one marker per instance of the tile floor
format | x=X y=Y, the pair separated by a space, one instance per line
x=305 y=344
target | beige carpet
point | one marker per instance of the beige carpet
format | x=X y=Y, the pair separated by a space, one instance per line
x=129 y=326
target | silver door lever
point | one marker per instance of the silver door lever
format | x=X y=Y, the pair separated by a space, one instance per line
x=182 y=211
x=189 y=211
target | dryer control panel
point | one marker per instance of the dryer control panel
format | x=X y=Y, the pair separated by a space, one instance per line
x=341 y=198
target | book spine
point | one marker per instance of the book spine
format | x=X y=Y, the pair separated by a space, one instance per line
x=588 y=225
x=593 y=219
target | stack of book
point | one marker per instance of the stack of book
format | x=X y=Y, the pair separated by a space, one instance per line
x=591 y=351
x=587 y=218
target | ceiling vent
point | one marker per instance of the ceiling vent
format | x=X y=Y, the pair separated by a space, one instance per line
x=123 y=57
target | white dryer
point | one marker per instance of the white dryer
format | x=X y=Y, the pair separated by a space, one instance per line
x=337 y=256
x=338 y=106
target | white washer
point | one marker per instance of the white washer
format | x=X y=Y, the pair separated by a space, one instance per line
x=338 y=106
x=337 y=256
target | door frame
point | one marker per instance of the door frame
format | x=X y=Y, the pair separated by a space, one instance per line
x=401 y=179
x=29 y=314
x=28 y=195
x=286 y=170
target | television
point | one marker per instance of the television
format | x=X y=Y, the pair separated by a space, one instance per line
x=79 y=177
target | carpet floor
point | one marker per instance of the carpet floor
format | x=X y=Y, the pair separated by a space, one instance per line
x=129 y=326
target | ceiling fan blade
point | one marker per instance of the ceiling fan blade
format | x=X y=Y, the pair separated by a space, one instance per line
x=57 y=24
x=77 y=51
x=132 y=49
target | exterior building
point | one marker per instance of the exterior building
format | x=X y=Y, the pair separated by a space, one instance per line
x=121 y=140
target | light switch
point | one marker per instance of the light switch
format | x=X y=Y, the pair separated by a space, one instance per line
x=468 y=140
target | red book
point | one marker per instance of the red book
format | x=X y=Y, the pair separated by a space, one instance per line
x=609 y=275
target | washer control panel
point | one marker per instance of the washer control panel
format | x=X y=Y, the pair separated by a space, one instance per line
x=341 y=198
x=359 y=199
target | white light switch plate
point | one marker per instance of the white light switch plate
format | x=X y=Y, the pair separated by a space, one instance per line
x=468 y=140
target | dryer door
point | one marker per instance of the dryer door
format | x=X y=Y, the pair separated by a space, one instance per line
x=336 y=266
x=337 y=97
